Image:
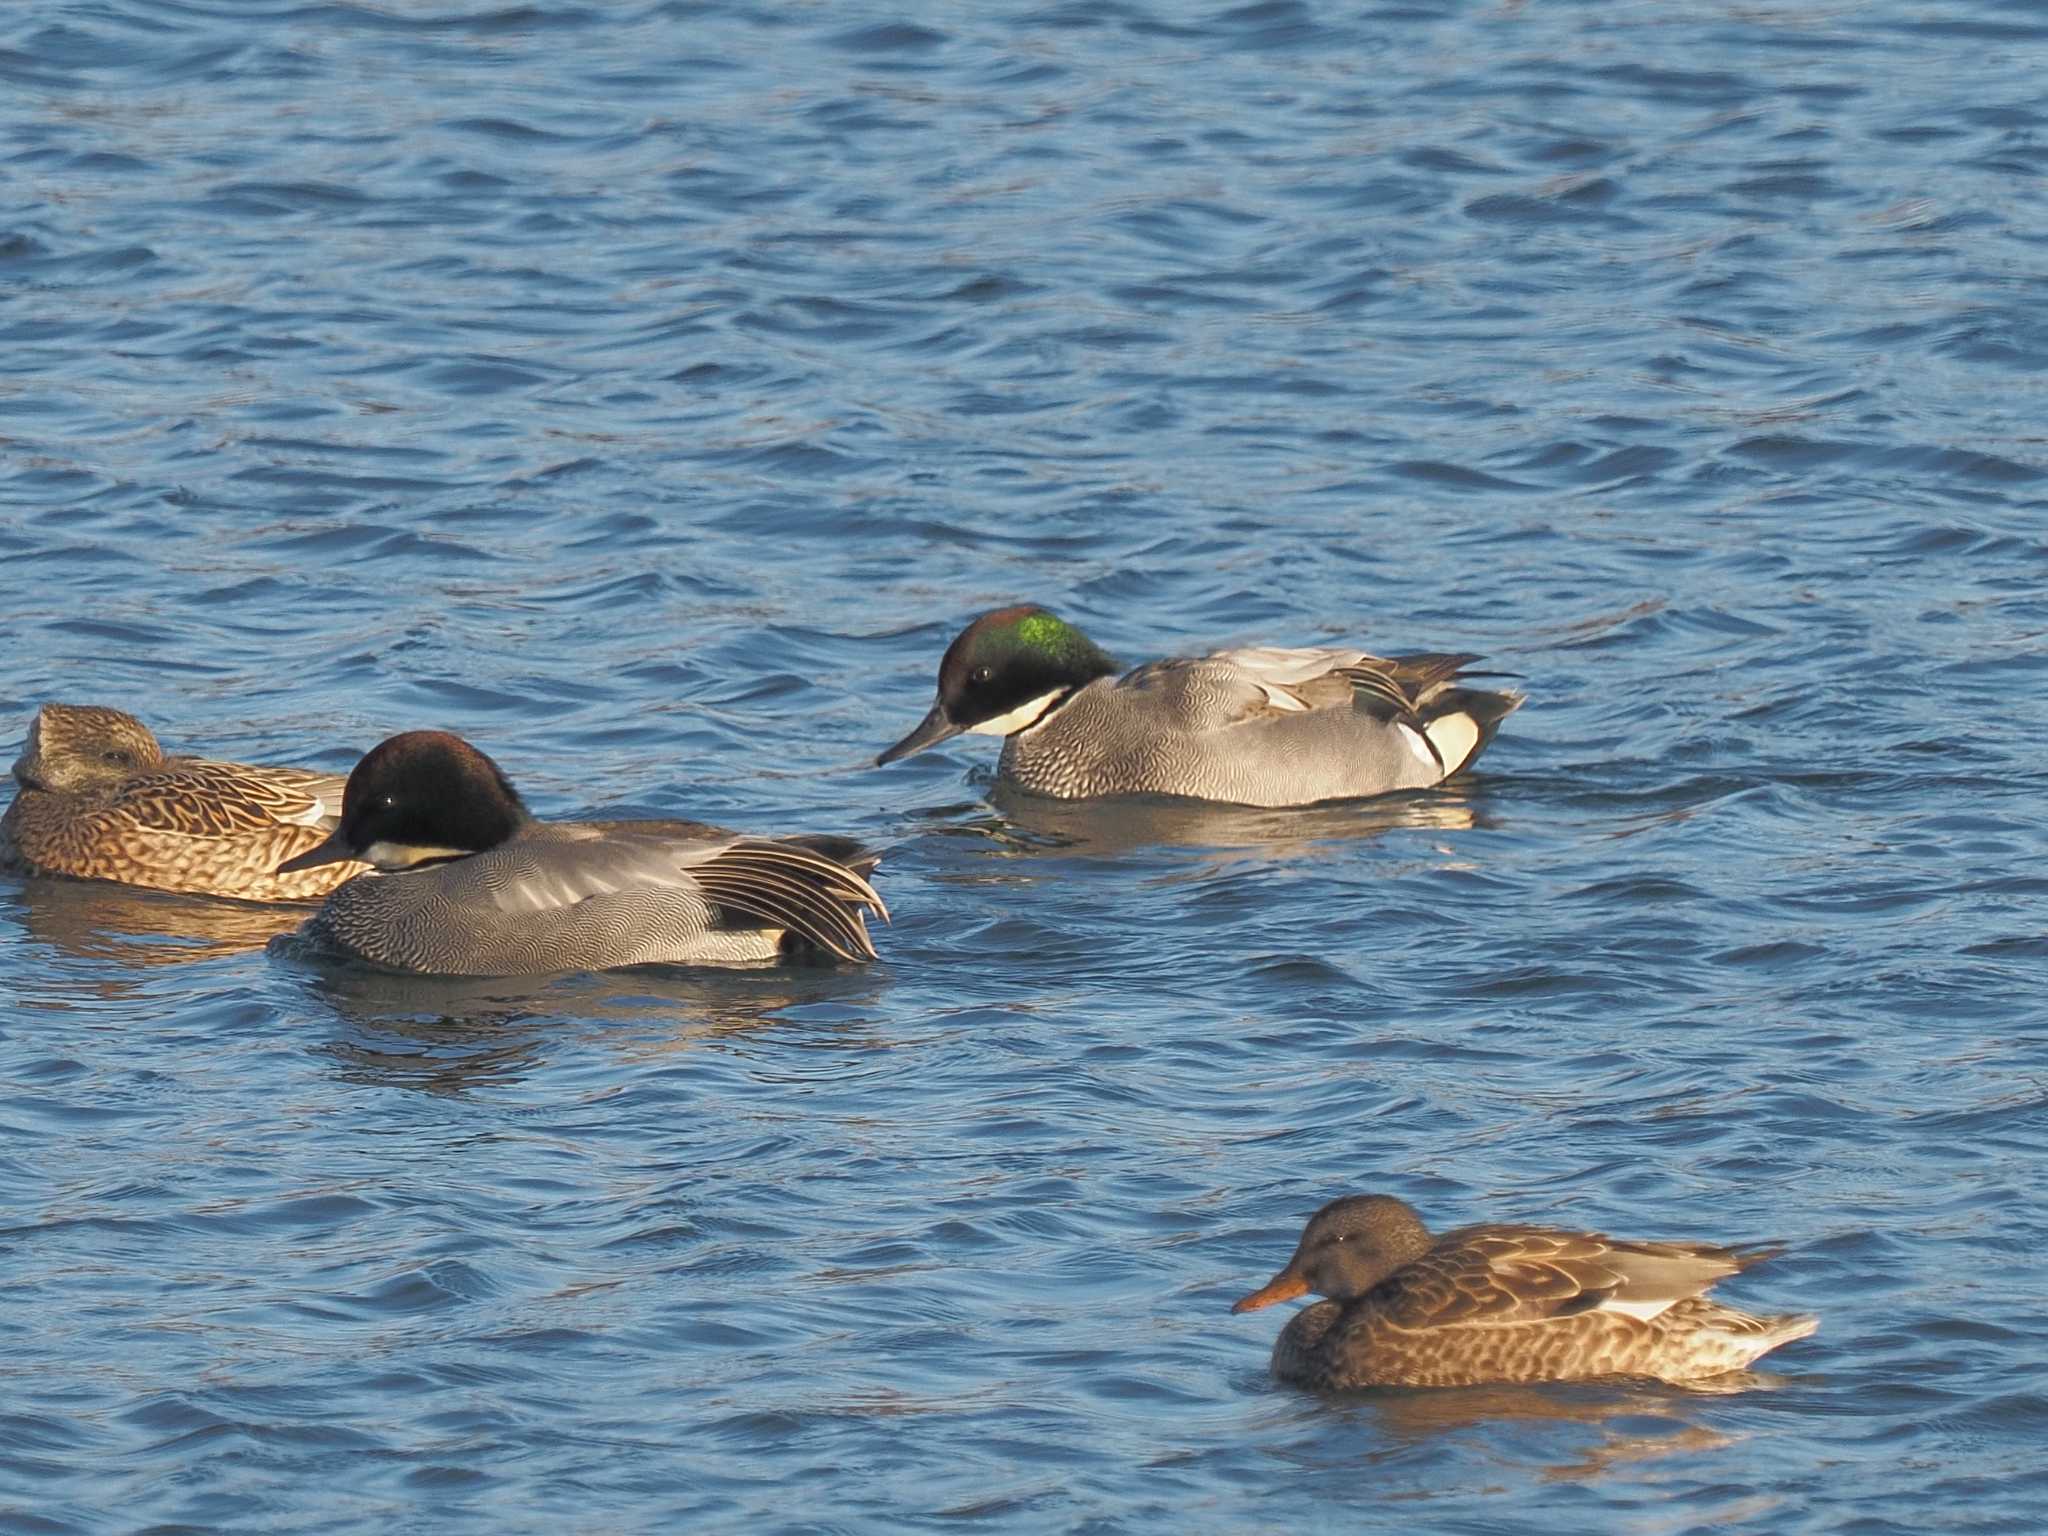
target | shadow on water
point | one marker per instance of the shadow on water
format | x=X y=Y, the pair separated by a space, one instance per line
x=98 y=920
x=1025 y=824
x=443 y=1034
x=1635 y=1422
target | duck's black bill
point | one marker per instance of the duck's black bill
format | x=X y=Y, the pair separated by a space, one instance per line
x=931 y=730
x=333 y=851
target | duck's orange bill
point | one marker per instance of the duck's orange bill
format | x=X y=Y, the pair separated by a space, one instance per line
x=1282 y=1287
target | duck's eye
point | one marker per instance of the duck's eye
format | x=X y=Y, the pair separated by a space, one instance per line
x=116 y=756
x=982 y=674
x=389 y=802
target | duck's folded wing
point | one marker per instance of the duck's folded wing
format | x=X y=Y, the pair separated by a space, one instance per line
x=1501 y=1275
x=200 y=799
x=777 y=884
x=1269 y=680
x=1211 y=692
x=1401 y=687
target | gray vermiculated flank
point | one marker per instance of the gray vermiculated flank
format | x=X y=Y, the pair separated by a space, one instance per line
x=567 y=896
x=1204 y=727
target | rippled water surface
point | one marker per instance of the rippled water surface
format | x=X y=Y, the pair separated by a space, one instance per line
x=649 y=391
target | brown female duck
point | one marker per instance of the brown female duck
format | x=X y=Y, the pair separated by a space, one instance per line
x=1504 y=1304
x=97 y=799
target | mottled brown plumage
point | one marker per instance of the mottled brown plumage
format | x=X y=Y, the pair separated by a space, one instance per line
x=1498 y=1303
x=97 y=799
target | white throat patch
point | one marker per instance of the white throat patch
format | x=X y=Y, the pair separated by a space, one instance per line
x=396 y=856
x=1022 y=718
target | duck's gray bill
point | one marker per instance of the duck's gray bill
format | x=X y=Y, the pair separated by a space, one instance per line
x=931 y=730
x=333 y=851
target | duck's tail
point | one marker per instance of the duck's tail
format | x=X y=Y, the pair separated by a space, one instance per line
x=1461 y=722
x=1719 y=1338
x=1454 y=721
x=814 y=888
x=849 y=851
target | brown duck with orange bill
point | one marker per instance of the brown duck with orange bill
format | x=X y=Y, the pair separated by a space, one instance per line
x=97 y=799
x=1504 y=1304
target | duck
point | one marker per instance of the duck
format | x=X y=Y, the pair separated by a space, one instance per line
x=97 y=799
x=1259 y=726
x=1505 y=1303
x=464 y=881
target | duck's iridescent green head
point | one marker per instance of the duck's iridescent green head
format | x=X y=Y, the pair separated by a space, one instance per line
x=1002 y=675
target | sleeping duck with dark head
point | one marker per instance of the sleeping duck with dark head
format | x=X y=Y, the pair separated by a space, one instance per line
x=469 y=883
x=97 y=798
x=1257 y=726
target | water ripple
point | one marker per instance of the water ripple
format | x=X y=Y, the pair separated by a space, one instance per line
x=649 y=391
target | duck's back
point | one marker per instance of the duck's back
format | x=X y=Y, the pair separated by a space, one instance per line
x=218 y=829
x=1261 y=727
x=576 y=896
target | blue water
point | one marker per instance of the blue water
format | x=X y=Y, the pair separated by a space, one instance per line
x=649 y=391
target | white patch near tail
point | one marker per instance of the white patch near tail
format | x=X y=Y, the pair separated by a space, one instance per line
x=1455 y=736
x=1413 y=739
x=1642 y=1309
x=1281 y=699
